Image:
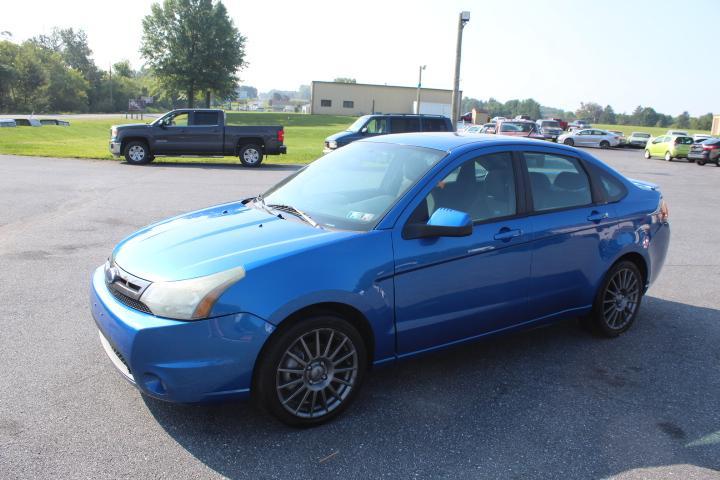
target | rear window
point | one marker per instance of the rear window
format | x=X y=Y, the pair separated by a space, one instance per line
x=711 y=141
x=434 y=125
x=684 y=141
x=405 y=124
x=206 y=118
x=613 y=188
x=641 y=135
x=550 y=123
x=515 y=127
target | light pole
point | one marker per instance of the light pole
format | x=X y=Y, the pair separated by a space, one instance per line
x=462 y=20
x=417 y=103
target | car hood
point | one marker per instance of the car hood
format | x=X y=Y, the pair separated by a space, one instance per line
x=341 y=136
x=215 y=239
x=131 y=125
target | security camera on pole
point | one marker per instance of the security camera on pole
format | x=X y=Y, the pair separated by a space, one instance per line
x=462 y=20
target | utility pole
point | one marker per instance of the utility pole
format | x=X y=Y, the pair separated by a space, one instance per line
x=462 y=20
x=417 y=103
x=112 y=105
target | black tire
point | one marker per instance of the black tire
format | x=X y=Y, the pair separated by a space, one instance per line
x=569 y=141
x=281 y=380
x=700 y=163
x=251 y=155
x=617 y=302
x=604 y=144
x=137 y=153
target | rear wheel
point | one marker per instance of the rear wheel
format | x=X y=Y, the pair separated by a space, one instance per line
x=137 y=153
x=604 y=144
x=647 y=154
x=311 y=371
x=569 y=141
x=618 y=300
x=668 y=156
x=701 y=162
x=251 y=155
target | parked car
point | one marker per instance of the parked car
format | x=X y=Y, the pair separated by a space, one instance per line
x=383 y=124
x=668 y=147
x=550 y=129
x=195 y=132
x=579 y=125
x=388 y=248
x=707 y=151
x=519 y=128
x=489 y=127
x=700 y=137
x=472 y=129
x=563 y=123
x=638 y=139
x=523 y=117
x=27 y=122
x=677 y=133
x=590 y=137
x=621 y=137
x=497 y=119
x=7 y=122
x=466 y=117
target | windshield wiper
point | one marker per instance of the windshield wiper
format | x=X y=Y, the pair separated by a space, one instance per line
x=294 y=211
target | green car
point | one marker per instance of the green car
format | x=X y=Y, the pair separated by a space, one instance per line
x=668 y=147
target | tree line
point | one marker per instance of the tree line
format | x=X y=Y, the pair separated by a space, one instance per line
x=593 y=112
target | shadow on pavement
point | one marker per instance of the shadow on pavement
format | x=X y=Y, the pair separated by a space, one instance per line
x=220 y=166
x=551 y=403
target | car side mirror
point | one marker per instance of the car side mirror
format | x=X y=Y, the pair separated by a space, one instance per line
x=445 y=222
x=364 y=130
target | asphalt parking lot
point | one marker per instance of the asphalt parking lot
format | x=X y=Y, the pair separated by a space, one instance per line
x=546 y=403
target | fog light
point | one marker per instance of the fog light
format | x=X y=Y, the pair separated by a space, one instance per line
x=153 y=383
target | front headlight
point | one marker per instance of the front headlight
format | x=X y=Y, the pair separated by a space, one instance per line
x=191 y=299
x=332 y=144
x=113 y=132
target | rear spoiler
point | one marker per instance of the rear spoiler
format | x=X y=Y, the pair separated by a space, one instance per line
x=645 y=185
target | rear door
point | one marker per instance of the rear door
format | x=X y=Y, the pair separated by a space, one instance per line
x=205 y=134
x=432 y=124
x=570 y=225
x=402 y=124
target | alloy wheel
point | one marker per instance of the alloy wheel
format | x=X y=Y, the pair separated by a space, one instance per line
x=317 y=373
x=136 y=153
x=251 y=156
x=621 y=299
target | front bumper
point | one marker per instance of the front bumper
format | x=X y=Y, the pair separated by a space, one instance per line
x=115 y=148
x=179 y=361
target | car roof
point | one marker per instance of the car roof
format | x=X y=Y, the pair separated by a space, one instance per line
x=447 y=141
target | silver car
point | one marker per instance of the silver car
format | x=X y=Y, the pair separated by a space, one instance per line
x=590 y=137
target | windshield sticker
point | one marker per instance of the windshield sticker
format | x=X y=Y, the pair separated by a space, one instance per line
x=362 y=216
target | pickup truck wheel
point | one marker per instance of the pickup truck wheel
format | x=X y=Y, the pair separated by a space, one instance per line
x=251 y=155
x=137 y=153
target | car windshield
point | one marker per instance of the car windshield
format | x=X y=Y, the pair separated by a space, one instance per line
x=550 y=123
x=358 y=124
x=353 y=187
x=515 y=127
x=641 y=135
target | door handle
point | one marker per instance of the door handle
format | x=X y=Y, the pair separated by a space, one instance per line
x=507 y=234
x=596 y=216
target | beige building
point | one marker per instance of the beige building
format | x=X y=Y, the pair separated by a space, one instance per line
x=715 y=130
x=357 y=99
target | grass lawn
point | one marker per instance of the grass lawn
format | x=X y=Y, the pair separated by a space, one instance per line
x=88 y=138
x=654 y=131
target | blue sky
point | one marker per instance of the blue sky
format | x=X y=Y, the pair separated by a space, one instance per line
x=561 y=52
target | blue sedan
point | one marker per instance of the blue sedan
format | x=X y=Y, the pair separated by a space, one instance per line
x=387 y=248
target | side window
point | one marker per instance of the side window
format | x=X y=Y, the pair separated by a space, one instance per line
x=557 y=182
x=180 y=120
x=206 y=118
x=405 y=124
x=348 y=104
x=434 y=125
x=484 y=188
x=326 y=103
x=377 y=126
x=613 y=188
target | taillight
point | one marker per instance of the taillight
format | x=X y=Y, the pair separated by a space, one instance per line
x=710 y=147
x=663 y=211
x=281 y=135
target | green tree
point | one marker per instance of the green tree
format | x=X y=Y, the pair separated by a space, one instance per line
x=589 y=111
x=123 y=69
x=683 y=120
x=193 y=45
x=530 y=108
x=8 y=74
x=304 y=92
x=608 y=116
x=703 y=122
x=31 y=80
x=250 y=91
x=344 y=80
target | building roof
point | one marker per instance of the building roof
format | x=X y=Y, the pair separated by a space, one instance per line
x=378 y=85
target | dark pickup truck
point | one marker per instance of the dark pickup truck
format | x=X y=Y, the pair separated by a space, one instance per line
x=196 y=132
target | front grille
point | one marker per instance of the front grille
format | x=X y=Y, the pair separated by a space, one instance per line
x=129 y=302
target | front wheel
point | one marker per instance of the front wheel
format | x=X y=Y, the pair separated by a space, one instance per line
x=312 y=371
x=647 y=154
x=569 y=141
x=137 y=153
x=604 y=144
x=618 y=300
x=668 y=156
x=251 y=155
x=700 y=163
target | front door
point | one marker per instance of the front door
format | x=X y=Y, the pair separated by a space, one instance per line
x=172 y=138
x=452 y=288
